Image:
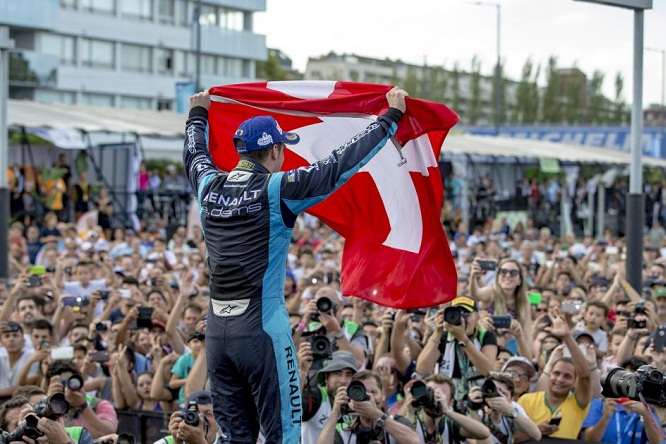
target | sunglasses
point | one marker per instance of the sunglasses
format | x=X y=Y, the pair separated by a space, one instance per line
x=541 y=310
x=520 y=376
x=512 y=273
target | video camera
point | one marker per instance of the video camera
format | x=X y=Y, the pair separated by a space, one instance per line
x=53 y=407
x=647 y=381
x=424 y=398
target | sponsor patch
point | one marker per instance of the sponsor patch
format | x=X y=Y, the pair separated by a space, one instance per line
x=245 y=164
x=239 y=176
x=265 y=140
x=291 y=136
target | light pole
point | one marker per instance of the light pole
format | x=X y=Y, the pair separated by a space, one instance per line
x=635 y=213
x=5 y=45
x=197 y=56
x=662 y=110
x=498 y=81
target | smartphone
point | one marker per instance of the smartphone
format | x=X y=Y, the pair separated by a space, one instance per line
x=487 y=265
x=104 y=294
x=125 y=293
x=37 y=270
x=72 y=301
x=99 y=356
x=502 y=321
x=44 y=345
x=145 y=319
x=62 y=353
x=555 y=421
x=34 y=281
x=535 y=298
x=571 y=306
x=660 y=339
x=612 y=250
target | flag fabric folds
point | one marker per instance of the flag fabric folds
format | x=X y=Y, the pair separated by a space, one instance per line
x=396 y=253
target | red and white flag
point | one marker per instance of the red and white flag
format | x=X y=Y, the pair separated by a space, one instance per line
x=396 y=253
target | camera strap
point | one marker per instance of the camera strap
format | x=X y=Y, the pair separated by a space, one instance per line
x=651 y=417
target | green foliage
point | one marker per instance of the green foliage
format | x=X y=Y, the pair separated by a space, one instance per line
x=271 y=69
x=596 y=115
x=619 y=105
x=16 y=138
x=552 y=108
x=527 y=97
x=503 y=105
x=162 y=164
x=411 y=83
x=455 y=88
x=475 y=101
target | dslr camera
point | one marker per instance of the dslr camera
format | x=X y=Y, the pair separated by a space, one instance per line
x=191 y=414
x=74 y=383
x=322 y=348
x=356 y=392
x=488 y=390
x=53 y=407
x=324 y=305
x=647 y=381
x=424 y=398
x=453 y=315
x=639 y=309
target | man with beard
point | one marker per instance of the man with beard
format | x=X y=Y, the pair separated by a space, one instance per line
x=318 y=401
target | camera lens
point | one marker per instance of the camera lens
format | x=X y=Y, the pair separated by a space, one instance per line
x=74 y=383
x=321 y=346
x=453 y=315
x=324 y=304
x=356 y=391
x=418 y=389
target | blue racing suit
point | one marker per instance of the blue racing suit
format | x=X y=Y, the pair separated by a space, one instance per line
x=247 y=217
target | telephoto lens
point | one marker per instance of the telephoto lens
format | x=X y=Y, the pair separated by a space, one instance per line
x=74 y=383
x=357 y=392
x=53 y=407
x=324 y=304
x=648 y=381
x=321 y=347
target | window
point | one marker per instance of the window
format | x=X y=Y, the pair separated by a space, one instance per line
x=207 y=16
x=164 y=104
x=164 y=61
x=134 y=102
x=68 y=4
x=136 y=58
x=232 y=20
x=141 y=9
x=231 y=67
x=60 y=46
x=97 y=53
x=208 y=65
x=50 y=96
x=97 y=99
x=166 y=11
x=183 y=14
x=183 y=64
x=102 y=6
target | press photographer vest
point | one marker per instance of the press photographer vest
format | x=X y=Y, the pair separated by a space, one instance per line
x=311 y=429
x=452 y=358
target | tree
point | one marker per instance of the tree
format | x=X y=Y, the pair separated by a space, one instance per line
x=572 y=108
x=597 y=115
x=552 y=106
x=271 y=69
x=411 y=83
x=619 y=106
x=435 y=84
x=475 y=87
x=527 y=96
x=455 y=88
x=503 y=83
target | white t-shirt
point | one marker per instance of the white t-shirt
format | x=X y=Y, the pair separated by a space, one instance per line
x=74 y=288
x=9 y=375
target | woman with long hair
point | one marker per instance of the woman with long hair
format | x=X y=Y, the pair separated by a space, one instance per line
x=506 y=295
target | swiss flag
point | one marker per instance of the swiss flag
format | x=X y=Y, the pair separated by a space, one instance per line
x=396 y=253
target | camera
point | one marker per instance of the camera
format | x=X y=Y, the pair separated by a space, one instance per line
x=453 y=315
x=191 y=414
x=647 y=381
x=324 y=305
x=322 y=348
x=357 y=392
x=53 y=407
x=74 y=383
x=104 y=294
x=34 y=281
x=424 y=397
x=488 y=390
x=100 y=326
x=639 y=308
x=123 y=438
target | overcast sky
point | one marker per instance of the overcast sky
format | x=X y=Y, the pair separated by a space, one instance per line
x=446 y=31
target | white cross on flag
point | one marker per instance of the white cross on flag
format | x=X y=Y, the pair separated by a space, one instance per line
x=396 y=253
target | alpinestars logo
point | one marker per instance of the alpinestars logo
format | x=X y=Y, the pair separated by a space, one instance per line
x=227 y=309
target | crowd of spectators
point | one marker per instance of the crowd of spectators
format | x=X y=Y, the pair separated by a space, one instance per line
x=518 y=355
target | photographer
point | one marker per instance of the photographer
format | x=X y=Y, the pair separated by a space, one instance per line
x=370 y=423
x=188 y=429
x=98 y=416
x=466 y=353
x=344 y=335
x=434 y=418
x=318 y=401
x=499 y=413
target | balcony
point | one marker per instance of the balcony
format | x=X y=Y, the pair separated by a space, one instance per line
x=27 y=68
x=241 y=44
x=39 y=14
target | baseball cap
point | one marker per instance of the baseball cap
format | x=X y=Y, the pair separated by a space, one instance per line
x=260 y=132
x=522 y=362
x=659 y=292
x=201 y=397
x=579 y=334
x=341 y=359
x=11 y=326
x=464 y=302
x=600 y=281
